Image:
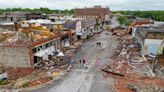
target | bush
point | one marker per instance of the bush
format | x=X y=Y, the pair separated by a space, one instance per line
x=3 y=82
x=50 y=78
x=26 y=84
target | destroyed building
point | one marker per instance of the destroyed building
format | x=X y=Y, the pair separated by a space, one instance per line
x=148 y=38
x=159 y=59
x=28 y=46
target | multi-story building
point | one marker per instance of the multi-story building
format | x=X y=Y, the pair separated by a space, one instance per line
x=96 y=12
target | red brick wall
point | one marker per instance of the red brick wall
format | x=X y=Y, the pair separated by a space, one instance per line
x=18 y=72
x=94 y=12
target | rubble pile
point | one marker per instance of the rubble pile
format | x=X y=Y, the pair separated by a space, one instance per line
x=132 y=70
x=18 y=72
x=39 y=81
x=119 y=31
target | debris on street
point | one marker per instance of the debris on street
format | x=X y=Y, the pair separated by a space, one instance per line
x=132 y=70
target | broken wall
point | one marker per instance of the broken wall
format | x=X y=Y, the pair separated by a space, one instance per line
x=14 y=57
x=152 y=46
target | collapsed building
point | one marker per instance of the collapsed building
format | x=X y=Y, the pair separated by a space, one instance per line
x=28 y=46
x=149 y=39
x=159 y=59
x=34 y=44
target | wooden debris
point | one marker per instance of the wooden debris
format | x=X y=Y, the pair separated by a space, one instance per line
x=113 y=73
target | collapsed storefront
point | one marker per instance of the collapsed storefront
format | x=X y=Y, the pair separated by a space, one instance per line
x=44 y=54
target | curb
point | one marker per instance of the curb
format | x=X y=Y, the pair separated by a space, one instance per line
x=42 y=85
x=35 y=87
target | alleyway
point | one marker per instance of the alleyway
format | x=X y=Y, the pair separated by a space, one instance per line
x=90 y=80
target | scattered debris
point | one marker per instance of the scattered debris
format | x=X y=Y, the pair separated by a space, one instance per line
x=112 y=73
x=132 y=70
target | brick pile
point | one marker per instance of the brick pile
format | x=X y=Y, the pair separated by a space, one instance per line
x=39 y=81
x=18 y=72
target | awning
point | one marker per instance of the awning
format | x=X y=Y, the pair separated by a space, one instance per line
x=3 y=75
x=48 y=51
x=67 y=44
x=77 y=43
x=60 y=54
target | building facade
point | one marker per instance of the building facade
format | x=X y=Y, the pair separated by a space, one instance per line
x=35 y=15
x=96 y=12
x=85 y=28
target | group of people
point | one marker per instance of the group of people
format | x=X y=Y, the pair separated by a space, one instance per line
x=98 y=44
x=83 y=63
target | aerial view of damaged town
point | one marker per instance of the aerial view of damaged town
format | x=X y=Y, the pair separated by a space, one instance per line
x=81 y=45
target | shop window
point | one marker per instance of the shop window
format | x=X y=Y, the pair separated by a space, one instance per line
x=50 y=44
x=40 y=47
x=54 y=42
x=43 y=46
x=37 y=49
x=34 y=50
x=47 y=45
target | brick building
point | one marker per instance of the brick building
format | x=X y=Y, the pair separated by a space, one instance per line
x=96 y=12
x=28 y=47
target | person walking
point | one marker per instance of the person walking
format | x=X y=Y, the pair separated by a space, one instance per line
x=97 y=61
x=80 y=63
x=99 y=44
x=84 y=62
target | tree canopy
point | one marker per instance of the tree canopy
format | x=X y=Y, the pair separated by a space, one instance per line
x=42 y=10
x=154 y=15
x=123 y=20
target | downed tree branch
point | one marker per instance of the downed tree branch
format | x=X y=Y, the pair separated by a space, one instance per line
x=113 y=73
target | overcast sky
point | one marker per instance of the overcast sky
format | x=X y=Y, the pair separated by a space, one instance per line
x=69 y=4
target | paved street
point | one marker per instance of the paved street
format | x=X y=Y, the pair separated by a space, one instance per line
x=90 y=80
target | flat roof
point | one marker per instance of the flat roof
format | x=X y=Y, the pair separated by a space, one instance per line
x=24 y=43
x=7 y=23
x=41 y=21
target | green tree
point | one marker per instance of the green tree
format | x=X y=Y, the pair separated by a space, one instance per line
x=154 y=15
x=42 y=9
x=122 y=19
